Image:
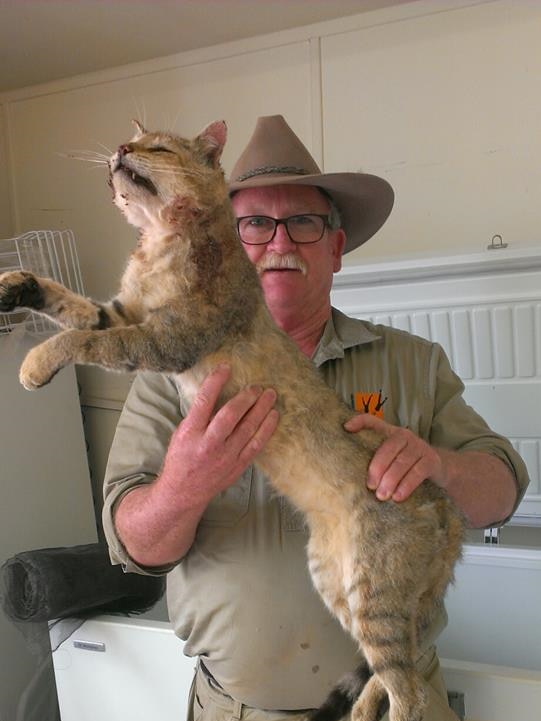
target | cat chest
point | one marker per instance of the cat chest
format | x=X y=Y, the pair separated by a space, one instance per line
x=154 y=287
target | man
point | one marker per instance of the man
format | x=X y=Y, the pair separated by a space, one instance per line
x=183 y=499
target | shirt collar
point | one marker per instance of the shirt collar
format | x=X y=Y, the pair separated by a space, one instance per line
x=340 y=333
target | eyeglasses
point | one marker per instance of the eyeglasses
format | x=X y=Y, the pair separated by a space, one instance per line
x=261 y=229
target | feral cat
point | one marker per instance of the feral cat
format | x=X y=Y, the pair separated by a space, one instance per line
x=190 y=299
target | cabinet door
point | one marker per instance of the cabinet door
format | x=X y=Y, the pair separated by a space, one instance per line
x=122 y=670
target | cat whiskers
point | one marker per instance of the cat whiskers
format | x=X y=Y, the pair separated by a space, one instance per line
x=87 y=156
x=109 y=151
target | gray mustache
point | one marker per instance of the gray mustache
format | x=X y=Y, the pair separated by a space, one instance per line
x=275 y=261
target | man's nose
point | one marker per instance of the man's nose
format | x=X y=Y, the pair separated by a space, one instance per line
x=281 y=240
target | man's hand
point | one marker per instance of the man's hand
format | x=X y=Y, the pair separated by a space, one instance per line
x=207 y=452
x=401 y=463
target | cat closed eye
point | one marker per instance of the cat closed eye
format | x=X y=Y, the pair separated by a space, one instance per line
x=159 y=149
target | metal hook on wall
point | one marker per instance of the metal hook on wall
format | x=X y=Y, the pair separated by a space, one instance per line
x=496 y=243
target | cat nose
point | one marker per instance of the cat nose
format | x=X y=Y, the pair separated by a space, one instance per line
x=125 y=149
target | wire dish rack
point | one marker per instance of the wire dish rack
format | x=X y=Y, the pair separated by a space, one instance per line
x=49 y=254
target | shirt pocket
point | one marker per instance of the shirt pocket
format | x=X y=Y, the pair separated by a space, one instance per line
x=231 y=505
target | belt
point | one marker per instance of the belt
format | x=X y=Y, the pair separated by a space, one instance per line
x=207 y=689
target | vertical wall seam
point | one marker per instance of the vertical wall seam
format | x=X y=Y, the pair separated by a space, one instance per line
x=316 y=101
x=12 y=187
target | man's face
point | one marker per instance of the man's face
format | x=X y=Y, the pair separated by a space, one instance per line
x=292 y=288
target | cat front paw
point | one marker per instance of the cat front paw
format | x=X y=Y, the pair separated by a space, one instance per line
x=36 y=370
x=20 y=289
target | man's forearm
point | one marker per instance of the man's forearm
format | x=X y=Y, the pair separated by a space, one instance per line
x=154 y=531
x=480 y=484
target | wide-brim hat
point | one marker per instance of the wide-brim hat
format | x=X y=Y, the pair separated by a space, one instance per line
x=276 y=156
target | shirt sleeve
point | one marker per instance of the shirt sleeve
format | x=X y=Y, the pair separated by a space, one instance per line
x=149 y=417
x=457 y=426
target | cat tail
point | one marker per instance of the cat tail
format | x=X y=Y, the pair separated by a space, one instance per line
x=341 y=699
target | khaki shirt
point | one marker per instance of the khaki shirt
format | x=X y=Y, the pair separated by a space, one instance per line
x=242 y=598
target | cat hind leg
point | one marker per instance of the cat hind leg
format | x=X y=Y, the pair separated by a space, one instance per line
x=404 y=687
x=388 y=641
x=371 y=703
x=343 y=696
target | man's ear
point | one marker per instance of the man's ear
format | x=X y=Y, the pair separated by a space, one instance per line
x=212 y=140
x=338 y=240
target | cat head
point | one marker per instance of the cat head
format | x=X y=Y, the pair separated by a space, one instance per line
x=159 y=180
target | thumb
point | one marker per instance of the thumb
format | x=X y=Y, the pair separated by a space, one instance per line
x=362 y=421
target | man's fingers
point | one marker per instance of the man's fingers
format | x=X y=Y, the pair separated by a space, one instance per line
x=415 y=476
x=249 y=424
x=400 y=471
x=204 y=402
x=365 y=420
x=237 y=421
x=225 y=424
x=386 y=455
x=405 y=462
x=401 y=463
x=258 y=440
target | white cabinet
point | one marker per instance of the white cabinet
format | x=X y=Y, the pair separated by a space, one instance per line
x=123 y=669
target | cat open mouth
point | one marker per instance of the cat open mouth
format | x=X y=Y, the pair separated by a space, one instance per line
x=138 y=179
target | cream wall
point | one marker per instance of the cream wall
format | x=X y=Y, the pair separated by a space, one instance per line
x=447 y=108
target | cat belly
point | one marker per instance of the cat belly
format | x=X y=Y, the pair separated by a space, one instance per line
x=190 y=381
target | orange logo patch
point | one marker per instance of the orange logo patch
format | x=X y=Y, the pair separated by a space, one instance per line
x=369 y=403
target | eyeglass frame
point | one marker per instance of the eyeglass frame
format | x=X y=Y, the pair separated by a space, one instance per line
x=283 y=221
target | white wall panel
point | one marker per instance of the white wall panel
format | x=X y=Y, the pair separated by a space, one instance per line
x=446 y=107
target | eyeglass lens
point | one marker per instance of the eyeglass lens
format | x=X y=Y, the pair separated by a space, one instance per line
x=257 y=229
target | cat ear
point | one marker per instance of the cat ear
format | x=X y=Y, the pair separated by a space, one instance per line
x=212 y=140
x=140 y=128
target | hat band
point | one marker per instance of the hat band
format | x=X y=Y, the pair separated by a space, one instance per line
x=271 y=169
